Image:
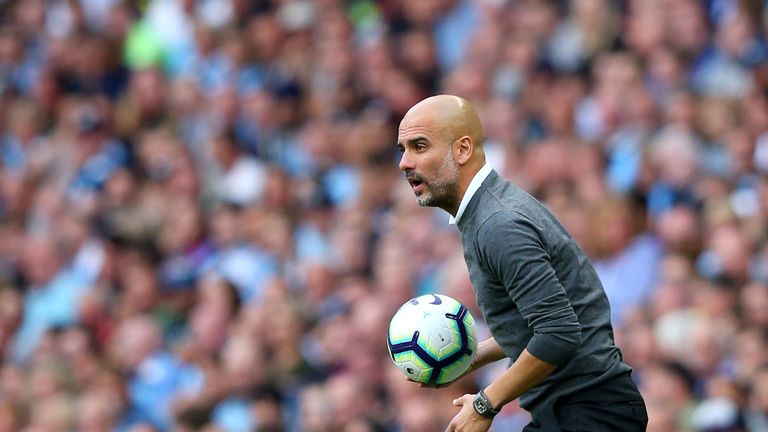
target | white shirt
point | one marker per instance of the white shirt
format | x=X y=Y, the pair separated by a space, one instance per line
x=474 y=185
x=244 y=182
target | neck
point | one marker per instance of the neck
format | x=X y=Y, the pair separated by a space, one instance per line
x=465 y=179
x=453 y=208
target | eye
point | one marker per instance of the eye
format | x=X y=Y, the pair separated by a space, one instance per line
x=420 y=147
x=400 y=148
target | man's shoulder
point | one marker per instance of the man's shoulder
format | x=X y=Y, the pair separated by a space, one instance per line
x=506 y=193
x=494 y=215
x=498 y=198
x=496 y=201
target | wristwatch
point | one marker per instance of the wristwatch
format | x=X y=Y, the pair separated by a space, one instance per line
x=483 y=406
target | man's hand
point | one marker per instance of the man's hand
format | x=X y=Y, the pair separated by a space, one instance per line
x=434 y=386
x=468 y=420
x=488 y=351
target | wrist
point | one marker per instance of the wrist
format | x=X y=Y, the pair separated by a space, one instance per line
x=482 y=357
x=484 y=406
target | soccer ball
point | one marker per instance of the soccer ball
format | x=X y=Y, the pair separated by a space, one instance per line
x=432 y=339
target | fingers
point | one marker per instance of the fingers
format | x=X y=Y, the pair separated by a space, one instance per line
x=422 y=385
x=432 y=386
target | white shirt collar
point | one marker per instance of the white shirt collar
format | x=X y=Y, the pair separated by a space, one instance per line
x=474 y=185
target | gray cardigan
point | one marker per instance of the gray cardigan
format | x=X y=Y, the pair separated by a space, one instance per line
x=537 y=289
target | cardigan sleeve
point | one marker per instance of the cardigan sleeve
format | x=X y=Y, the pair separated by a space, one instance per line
x=512 y=248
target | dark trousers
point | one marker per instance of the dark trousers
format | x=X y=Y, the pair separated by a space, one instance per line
x=613 y=405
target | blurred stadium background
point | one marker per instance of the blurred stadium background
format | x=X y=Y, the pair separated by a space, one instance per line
x=203 y=227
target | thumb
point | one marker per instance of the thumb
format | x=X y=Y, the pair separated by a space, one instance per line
x=459 y=401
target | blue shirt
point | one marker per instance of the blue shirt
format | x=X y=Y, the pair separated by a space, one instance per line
x=630 y=277
x=52 y=305
x=233 y=415
x=158 y=380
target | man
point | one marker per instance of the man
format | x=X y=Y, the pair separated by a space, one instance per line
x=540 y=297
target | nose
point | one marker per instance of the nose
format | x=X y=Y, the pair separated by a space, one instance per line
x=406 y=162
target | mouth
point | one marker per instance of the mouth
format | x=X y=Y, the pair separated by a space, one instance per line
x=416 y=184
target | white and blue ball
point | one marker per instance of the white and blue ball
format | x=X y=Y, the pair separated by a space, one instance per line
x=432 y=339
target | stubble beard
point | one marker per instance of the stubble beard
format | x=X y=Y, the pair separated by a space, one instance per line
x=442 y=191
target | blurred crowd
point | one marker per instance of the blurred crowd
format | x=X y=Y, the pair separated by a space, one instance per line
x=203 y=226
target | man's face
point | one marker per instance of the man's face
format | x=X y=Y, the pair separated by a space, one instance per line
x=428 y=163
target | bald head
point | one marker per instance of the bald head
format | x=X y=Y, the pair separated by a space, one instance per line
x=453 y=115
x=441 y=141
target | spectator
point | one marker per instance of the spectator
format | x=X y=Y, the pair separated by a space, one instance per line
x=626 y=260
x=157 y=376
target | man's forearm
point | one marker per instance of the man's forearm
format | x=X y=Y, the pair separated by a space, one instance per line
x=488 y=351
x=525 y=373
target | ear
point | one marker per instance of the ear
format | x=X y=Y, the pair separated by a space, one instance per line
x=464 y=149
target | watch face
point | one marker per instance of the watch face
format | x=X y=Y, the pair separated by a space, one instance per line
x=480 y=405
